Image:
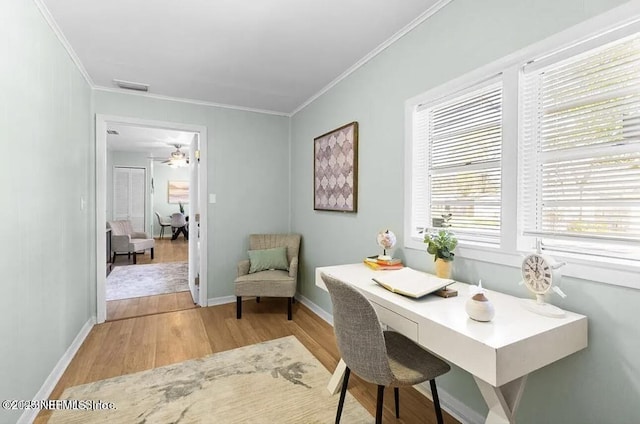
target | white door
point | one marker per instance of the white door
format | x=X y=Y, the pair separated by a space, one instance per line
x=129 y=195
x=194 y=221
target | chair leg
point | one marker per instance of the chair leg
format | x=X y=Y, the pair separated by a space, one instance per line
x=152 y=253
x=289 y=308
x=396 y=395
x=134 y=258
x=257 y=299
x=379 y=404
x=343 y=393
x=436 y=401
x=238 y=307
x=114 y=258
x=161 y=232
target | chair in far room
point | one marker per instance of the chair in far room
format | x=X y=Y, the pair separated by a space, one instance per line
x=124 y=240
x=270 y=271
x=179 y=225
x=163 y=224
x=385 y=358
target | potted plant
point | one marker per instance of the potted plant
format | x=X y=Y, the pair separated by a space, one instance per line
x=441 y=244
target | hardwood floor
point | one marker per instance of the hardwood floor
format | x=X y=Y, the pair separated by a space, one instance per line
x=131 y=345
x=166 y=250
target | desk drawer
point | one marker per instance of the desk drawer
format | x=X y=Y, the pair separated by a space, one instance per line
x=397 y=322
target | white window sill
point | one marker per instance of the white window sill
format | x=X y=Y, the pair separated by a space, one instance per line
x=598 y=269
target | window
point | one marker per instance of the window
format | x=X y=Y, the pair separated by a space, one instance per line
x=546 y=154
x=580 y=151
x=457 y=144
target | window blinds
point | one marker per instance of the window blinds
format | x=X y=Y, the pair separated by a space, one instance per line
x=580 y=153
x=457 y=151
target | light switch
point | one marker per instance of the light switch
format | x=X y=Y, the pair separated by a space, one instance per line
x=212 y=198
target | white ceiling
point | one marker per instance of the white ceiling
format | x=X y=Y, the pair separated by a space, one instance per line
x=260 y=54
x=155 y=142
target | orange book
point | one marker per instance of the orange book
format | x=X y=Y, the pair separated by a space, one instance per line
x=380 y=267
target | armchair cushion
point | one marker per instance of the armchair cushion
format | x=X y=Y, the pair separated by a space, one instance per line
x=266 y=259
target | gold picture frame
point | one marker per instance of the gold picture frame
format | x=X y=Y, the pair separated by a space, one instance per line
x=335 y=170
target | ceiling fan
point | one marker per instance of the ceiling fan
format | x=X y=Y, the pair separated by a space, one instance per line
x=178 y=158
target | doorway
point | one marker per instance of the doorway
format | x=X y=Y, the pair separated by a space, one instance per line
x=194 y=176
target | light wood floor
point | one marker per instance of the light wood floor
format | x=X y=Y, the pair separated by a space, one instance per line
x=131 y=345
x=166 y=250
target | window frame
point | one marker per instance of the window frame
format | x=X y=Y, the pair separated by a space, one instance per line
x=602 y=29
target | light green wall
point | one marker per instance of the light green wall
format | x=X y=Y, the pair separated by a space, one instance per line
x=248 y=170
x=46 y=254
x=597 y=385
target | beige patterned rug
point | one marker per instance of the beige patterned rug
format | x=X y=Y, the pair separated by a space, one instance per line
x=128 y=281
x=278 y=381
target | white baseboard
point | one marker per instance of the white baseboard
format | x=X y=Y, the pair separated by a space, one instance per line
x=50 y=383
x=315 y=308
x=452 y=405
x=220 y=300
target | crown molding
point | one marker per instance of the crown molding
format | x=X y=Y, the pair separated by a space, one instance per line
x=44 y=11
x=190 y=101
x=379 y=49
x=373 y=53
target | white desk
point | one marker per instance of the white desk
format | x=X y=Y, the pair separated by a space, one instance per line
x=499 y=354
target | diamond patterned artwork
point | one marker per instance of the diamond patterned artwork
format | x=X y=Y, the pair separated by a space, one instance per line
x=336 y=170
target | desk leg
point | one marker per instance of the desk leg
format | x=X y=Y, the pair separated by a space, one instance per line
x=503 y=401
x=335 y=383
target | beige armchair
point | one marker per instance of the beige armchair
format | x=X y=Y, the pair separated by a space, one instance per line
x=126 y=241
x=265 y=274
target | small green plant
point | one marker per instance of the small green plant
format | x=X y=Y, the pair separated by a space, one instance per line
x=441 y=244
x=181 y=206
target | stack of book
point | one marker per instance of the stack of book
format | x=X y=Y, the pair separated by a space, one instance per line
x=377 y=264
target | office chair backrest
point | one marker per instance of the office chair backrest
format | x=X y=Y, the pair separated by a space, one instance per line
x=358 y=332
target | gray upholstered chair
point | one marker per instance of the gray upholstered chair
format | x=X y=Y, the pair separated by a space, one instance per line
x=385 y=358
x=269 y=282
x=163 y=224
x=126 y=241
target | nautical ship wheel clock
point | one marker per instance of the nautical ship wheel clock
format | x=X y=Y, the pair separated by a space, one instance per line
x=539 y=274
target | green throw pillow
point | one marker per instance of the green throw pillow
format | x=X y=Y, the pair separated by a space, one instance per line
x=262 y=260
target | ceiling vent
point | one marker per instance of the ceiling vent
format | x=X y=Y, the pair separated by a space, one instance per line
x=128 y=85
x=113 y=132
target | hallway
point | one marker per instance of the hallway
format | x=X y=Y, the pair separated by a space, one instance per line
x=166 y=250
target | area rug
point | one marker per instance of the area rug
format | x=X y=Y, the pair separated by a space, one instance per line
x=278 y=381
x=129 y=281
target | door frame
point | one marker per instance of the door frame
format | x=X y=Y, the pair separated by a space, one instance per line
x=101 y=201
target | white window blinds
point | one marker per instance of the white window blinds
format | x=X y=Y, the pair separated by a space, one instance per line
x=580 y=153
x=457 y=151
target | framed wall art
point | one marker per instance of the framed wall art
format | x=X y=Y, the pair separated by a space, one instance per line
x=335 y=170
x=178 y=191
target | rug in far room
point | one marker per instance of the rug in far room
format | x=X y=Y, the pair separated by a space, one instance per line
x=129 y=281
x=278 y=381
